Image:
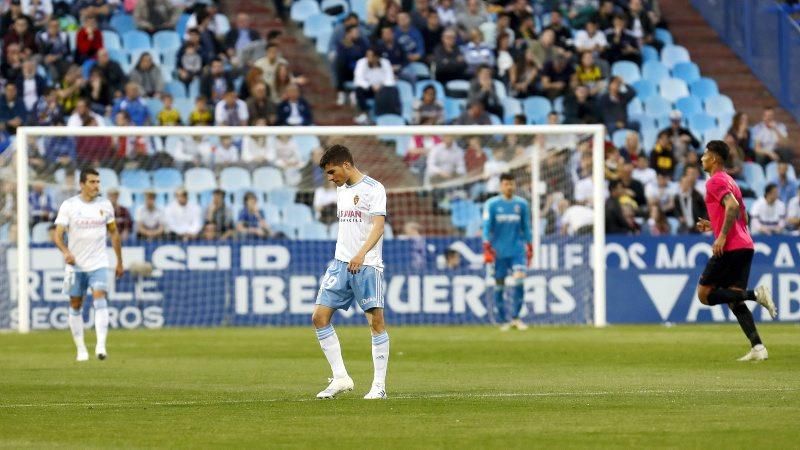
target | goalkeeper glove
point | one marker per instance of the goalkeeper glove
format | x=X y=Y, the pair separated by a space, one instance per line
x=488 y=253
x=529 y=253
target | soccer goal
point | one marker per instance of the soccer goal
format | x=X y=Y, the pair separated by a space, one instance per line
x=234 y=226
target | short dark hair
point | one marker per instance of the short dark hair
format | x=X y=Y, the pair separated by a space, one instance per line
x=86 y=172
x=769 y=188
x=248 y=195
x=507 y=176
x=337 y=155
x=720 y=148
x=219 y=191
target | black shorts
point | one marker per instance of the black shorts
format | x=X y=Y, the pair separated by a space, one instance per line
x=732 y=269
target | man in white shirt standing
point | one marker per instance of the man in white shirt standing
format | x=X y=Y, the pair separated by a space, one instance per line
x=183 y=218
x=769 y=213
x=88 y=220
x=371 y=74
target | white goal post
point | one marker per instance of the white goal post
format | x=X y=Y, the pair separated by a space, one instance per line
x=598 y=175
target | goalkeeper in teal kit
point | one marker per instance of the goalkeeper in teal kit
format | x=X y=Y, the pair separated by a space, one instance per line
x=507 y=245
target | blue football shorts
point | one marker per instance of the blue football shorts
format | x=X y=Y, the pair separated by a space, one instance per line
x=506 y=266
x=76 y=283
x=339 y=287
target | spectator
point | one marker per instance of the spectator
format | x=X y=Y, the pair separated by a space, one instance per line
x=10 y=16
x=295 y=110
x=47 y=111
x=446 y=13
x=662 y=193
x=216 y=82
x=168 y=116
x=474 y=115
x=222 y=154
x=68 y=188
x=70 y=88
x=256 y=150
x=251 y=221
x=505 y=60
x=769 y=136
x=134 y=105
x=416 y=157
x=239 y=37
x=475 y=157
x=482 y=90
x=622 y=45
x=431 y=31
x=421 y=12
x=89 y=40
x=445 y=162
x=259 y=106
x=640 y=25
x=428 y=110
x=657 y=223
x=376 y=9
x=590 y=39
x=286 y=156
x=574 y=220
x=689 y=205
x=155 y=15
x=209 y=232
x=121 y=214
x=283 y=78
x=21 y=34
x=618 y=221
x=187 y=150
x=545 y=49
x=182 y=218
x=558 y=141
x=216 y=23
x=409 y=38
x=12 y=110
x=349 y=50
x=473 y=15
x=54 y=48
x=495 y=167
x=562 y=33
x=99 y=9
x=251 y=78
x=388 y=48
x=231 y=111
x=476 y=53
x=137 y=148
x=111 y=71
x=682 y=139
x=340 y=30
x=40 y=203
x=643 y=172
x=768 y=215
x=325 y=198
x=613 y=105
x=82 y=113
x=219 y=215
x=793 y=214
x=147 y=75
x=191 y=58
x=150 y=218
x=30 y=85
x=662 y=157
x=450 y=62
x=269 y=63
x=527 y=79
x=632 y=147
x=98 y=92
x=201 y=115
x=633 y=187
x=740 y=132
x=588 y=73
x=526 y=31
x=11 y=65
x=583 y=193
x=786 y=185
x=519 y=11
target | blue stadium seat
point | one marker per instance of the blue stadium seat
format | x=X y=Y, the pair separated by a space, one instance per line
x=298 y=212
x=704 y=88
x=536 y=108
x=457 y=89
x=323 y=41
x=495 y=119
x=500 y=89
x=422 y=84
x=282 y=196
x=166 y=41
x=645 y=89
x=558 y=104
x=40 y=233
x=267 y=179
x=135 y=179
x=122 y=23
x=287 y=228
x=119 y=56
x=234 y=179
x=618 y=138
x=672 y=89
x=649 y=53
x=715 y=134
x=313 y=231
x=389 y=120
x=511 y=107
x=180 y=27
x=317 y=24
x=421 y=71
x=649 y=136
x=627 y=70
x=654 y=71
x=108 y=178
x=657 y=107
x=754 y=175
x=194 y=89
x=702 y=122
x=674 y=225
x=664 y=36
x=272 y=214
x=463 y=212
x=686 y=71
x=719 y=104
x=645 y=121
x=167 y=178
x=772 y=171
x=689 y=106
x=154 y=105
x=136 y=40
x=198 y=179
x=184 y=106
x=635 y=106
x=453 y=107
x=303 y=9
x=406 y=91
x=674 y=54
x=111 y=40
x=306 y=144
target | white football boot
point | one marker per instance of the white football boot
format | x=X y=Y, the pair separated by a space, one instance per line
x=757 y=353
x=83 y=355
x=519 y=324
x=101 y=353
x=506 y=326
x=764 y=298
x=337 y=386
x=378 y=392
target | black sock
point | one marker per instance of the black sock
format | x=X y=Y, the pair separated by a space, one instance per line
x=720 y=296
x=750 y=295
x=745 y=318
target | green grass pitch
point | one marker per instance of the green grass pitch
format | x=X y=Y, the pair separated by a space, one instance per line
x=454 y=387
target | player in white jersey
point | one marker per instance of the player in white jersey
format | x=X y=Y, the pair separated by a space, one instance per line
x=88 y=219
x=356 y=272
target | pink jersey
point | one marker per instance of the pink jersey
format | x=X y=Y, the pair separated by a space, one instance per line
x=717 y=187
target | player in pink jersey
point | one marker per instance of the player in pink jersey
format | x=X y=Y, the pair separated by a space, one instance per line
x=724 y=279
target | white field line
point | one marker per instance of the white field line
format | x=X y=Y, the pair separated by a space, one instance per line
x=445 y=396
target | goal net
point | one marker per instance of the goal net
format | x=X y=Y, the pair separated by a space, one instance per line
x=235 y=226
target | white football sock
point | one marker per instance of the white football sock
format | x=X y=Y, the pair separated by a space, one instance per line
x=329 y=342
x=380 y=357
x=76 y=326
x=101 y=322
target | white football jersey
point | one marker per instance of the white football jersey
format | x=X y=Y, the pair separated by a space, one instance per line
x=356 y=206
x=86 y=231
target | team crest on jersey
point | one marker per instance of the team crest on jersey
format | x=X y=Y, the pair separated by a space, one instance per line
x=355 y=200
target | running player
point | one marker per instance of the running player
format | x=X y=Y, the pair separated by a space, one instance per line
x=724 y=280
x=87 y=219
x=356 y=272
x=507 y=244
